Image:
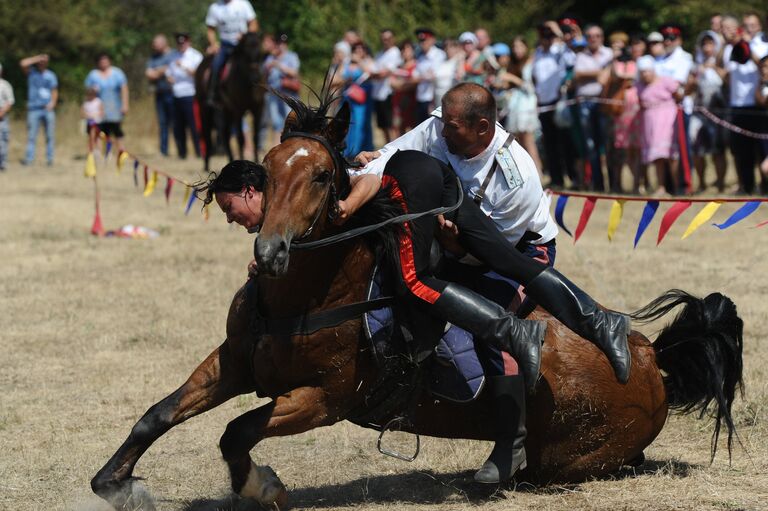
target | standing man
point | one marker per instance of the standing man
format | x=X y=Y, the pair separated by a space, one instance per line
x=590 y=73
x=282 y=69
x=155 y=73
x=42 y=96
x=181 y=74
x=6 y=102
x=426 y=66
x=387 y=61
x=231 y=19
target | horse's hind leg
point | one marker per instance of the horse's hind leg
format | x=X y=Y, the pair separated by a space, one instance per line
x=298 y=411
x=219 y=378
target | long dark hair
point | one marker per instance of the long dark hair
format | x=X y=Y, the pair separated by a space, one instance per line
x=235 y=176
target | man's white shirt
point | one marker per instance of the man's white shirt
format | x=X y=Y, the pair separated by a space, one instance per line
x=388 y=60
x=514 y=209
x=426 y=66
x=230 y=19
x=178 y=71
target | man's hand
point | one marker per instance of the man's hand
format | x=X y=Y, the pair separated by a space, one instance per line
x=342 y=213
x=212 y=49
x=448 y=236
x=253 y=269
x=365 y=157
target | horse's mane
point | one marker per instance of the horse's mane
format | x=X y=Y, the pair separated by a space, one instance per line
x=316 y=120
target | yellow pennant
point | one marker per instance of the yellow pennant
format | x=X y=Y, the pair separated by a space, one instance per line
x=121 y=161
x=617 y=210
x=151 y=184
x=702 y=217
x=90 y=166
x=187 y=192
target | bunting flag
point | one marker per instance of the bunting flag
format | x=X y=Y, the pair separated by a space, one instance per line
x=189 y=203
x=90 y=166
x=617 y=210
x=136 y=173
x=559 y=208
x=150 y=186
x=107 y=149
x=670 y=216
x=121 y=158
x=168 y=186
x=648 y=213
x=146 y=176
x=187 y=192
x=586 y=212
x=740 y=214
x=761 y=224
x=702 y=217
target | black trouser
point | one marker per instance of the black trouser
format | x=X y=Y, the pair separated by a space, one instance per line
x=184 y=119
x=745 y=148
x=558 y=149
x=423 y=183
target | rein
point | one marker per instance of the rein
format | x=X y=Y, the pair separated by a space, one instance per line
x=339 y=166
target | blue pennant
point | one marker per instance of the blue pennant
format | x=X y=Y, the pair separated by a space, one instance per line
x=740 y=214
x=648 y=212
x=559 y=208
x=191 y=200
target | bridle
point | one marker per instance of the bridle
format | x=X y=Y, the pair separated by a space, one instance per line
x=340 y=165
x=330 y=191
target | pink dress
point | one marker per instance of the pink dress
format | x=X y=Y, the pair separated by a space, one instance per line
x=627 y=134
x=659 y=111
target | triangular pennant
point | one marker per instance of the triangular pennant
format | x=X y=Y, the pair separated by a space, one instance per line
x=187 y=192
x=136 y=173
x=168 y=186
x=108 y=149
x=189 y=203
x=740 y=214
x=121 y=159
x=589 y=206
x=670 y=216
x=97 y=229
x=90 y=166
x=617 y=210
x=559 y=209
x=649 y=211
x=146 y=176
x=761 y=224
x=151 y=184
x=703 y=216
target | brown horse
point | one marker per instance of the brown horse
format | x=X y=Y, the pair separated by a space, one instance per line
x=582 y=423
x=241 y=91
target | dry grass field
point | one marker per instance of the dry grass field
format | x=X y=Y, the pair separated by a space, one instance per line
x=93 y=331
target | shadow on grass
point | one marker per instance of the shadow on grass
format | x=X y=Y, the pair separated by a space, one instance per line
x=425 y=487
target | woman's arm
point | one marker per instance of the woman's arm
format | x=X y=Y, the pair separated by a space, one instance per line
x=364 y=188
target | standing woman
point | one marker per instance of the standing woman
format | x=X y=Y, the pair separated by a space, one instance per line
x=358 y=93
x=658 y=100
x=522 y=118
x=112 y=86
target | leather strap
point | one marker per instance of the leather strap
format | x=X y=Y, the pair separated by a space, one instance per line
x=310 y=323
x=480 y=195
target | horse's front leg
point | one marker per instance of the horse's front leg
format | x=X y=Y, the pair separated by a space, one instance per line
x=220 y=377
x=298 y=411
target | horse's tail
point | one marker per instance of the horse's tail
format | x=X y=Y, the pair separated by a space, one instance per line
x=700 y=354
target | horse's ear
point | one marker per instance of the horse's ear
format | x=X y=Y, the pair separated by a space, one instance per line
x=337 y=128
x=291 y=122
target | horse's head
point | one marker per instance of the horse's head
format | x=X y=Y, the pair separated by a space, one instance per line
x=249 y=53
x=306 y=177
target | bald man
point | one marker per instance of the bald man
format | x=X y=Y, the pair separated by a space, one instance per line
x=499 y=177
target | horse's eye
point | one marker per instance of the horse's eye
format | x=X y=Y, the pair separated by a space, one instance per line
x=322 y=177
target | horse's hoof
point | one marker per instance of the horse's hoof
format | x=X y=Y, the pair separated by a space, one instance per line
x=127 y=494
x=265 y=487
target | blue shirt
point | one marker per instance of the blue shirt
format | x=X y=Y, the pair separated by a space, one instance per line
x=275 y=76
x=159 y=60
x=109 y=91
x=40 y=87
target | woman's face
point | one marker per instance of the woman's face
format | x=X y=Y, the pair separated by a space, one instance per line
x=520 y=50
x=503 y=61
x=708 y=48
x=656 y=49
x=648 y=76
x=243 y=208
x=407 y=52
x=617 y=47
x=637 y=49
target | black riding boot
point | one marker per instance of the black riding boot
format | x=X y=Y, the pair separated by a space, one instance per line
x=508 y=455
x=578 y=311
x=489 y=322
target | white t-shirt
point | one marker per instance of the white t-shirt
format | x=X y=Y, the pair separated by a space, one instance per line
x=744 y=78
x=181 y=71
x=387 y=60
x=230 y=18
x=445 y=77
x=514 y=210
x=426 y=67
x=6 y=94
x=548 y=73
x=93 y=108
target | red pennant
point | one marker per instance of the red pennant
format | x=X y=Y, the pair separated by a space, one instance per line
x=168 y=186
x=589 y=206
x=146 y=176
x=97 y=229
x=670 y=216
x=761 y=224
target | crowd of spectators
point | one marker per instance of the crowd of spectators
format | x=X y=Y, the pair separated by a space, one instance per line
x=584 y=107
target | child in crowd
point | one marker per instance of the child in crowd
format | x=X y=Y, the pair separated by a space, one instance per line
x=93 y=113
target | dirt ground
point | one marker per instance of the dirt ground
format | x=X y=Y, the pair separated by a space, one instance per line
x=93 y=331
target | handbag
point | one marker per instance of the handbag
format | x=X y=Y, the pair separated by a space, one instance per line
x=356 y=94
x=290 y=83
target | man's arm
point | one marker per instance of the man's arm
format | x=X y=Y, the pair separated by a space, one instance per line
x=419 y=138
x=31 y=61
x=364 y=188
x=54 y=99
x=124 y=97
x=213 y=42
